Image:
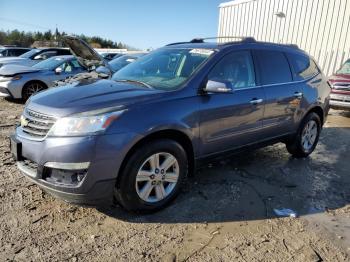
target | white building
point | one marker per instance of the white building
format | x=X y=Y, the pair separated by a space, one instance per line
x=320 y=27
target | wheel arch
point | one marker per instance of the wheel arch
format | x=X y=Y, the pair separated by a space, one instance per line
x=182 y=138
x=34 y=81
x=319 y=111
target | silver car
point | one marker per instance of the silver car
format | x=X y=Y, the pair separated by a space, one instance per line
x=34 y=56
x=19 y=81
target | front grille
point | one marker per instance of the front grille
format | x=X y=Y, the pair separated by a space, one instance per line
x=341 y=86
x=36 y=124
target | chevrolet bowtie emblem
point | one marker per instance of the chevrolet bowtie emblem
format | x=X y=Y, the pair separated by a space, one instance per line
x=24 y=122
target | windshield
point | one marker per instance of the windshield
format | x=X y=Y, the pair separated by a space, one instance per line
x=50 y=63
x=345 y=69
x=30 y=53
x=164 y=69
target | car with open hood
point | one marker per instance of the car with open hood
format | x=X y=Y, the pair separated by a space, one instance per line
x=98 y=66
x=135 y=138
x=20 y=82
x=340 y=83
x=34 y=56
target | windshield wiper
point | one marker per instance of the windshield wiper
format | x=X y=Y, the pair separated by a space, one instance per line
x=135 y=81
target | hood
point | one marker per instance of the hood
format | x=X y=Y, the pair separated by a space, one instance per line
x=340 y=83
x=85 y=54
x=14 y=69
x=13 y=60
x=90 y=94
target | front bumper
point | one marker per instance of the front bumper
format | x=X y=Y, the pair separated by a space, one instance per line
x=11 y=88
x=340 y=101
x=80 y=170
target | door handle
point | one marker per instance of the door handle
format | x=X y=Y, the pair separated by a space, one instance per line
x=298 y=94
x=256 y=101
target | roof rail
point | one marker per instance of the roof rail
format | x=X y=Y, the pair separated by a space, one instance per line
x=246 y=39
x=177 y=43
x=293 y=46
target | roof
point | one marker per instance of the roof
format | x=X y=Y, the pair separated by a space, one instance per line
x=14 y=47
x=206 y=45
x=245 y=41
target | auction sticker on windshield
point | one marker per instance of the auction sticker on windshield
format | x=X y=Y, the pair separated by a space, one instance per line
x=201 y=51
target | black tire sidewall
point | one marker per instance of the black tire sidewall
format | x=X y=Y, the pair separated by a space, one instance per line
x=126 y=190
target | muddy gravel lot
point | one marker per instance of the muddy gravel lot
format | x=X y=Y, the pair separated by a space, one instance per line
x=225 y=212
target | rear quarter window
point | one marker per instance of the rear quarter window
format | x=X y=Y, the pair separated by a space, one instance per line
x=304 y=67
x=274 y=67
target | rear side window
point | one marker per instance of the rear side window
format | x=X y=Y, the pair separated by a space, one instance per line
x=303 y=66
x=274 y=67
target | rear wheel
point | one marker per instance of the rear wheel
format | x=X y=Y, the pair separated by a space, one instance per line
x=31 y=89
x=152 y=176
x=305 y=141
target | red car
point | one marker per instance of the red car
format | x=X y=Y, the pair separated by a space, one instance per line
x=340 y=82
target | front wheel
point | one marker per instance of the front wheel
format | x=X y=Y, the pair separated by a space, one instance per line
x=152 y=176
x=31 y=89
x=306 y=139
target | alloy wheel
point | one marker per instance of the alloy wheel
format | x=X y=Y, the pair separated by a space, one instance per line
x=309 y=135
x=157 y=177
x=32 y=89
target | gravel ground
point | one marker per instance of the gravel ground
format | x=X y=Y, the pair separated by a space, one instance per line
x=225 y=212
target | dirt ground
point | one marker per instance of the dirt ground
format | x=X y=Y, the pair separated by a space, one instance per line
x=225 y=213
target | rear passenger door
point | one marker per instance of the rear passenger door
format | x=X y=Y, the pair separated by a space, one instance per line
x=283 y=96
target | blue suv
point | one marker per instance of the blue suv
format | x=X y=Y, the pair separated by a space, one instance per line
x=134 y=138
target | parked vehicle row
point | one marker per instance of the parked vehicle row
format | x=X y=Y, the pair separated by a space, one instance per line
x=135 y=137
x=34 y=56
x=19 y=80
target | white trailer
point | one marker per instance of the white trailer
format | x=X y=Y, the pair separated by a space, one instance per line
x=320 y=27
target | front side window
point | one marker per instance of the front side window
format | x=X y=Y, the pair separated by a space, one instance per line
x=165 y=69
x=303 y=66
x=274 y=67
x=345 y=69
x=236 y=68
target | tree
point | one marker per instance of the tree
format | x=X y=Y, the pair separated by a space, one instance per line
x=26 y=39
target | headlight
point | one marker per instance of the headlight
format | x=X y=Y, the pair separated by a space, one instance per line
x=83 y=124
x=10 y=78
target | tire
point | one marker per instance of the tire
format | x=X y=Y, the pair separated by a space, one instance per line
x=32 y=88
x=301 y=146
x=133 y=195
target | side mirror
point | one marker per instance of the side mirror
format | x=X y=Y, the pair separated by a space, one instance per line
x=218 y=86
x=38 y=57
x=103 y=70
x=58 y=70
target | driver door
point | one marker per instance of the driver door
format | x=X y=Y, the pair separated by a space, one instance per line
x=234 y=119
